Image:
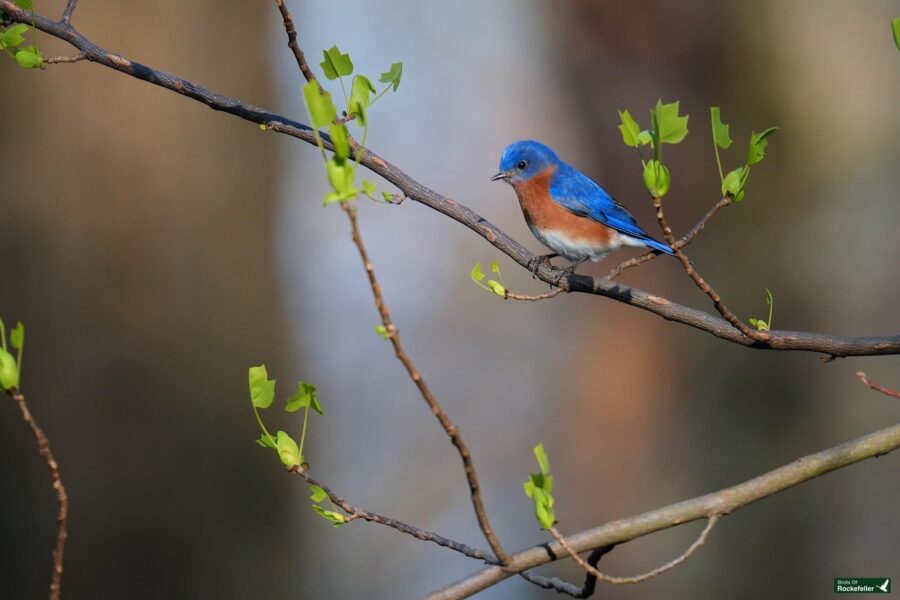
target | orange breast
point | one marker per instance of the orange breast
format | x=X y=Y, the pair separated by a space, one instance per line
x=543 y=213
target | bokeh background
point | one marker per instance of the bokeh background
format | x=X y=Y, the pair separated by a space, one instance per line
x=155 y=249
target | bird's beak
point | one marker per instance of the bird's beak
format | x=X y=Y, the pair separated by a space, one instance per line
x=501 y=175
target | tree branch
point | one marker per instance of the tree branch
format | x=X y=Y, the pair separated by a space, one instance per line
x=777 y=339
x=878 y=387
x=592 y=570
x=292 y=42
x=700 y=282
x=684 y=241
x=67 y=11
x=61 y=495
x=452 y=430
x=723 y=502
x=354 y=513
x=563 y=587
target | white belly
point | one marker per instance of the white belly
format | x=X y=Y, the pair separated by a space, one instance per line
x=575 y=250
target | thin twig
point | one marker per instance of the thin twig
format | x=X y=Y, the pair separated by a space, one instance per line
x=67 y=12
x=452 y=430
x=53 y=60
x=684 y=241
x=696 y=229
x=525 y=298
x=61 y=495
x=878 y=387
x=777 y=340
x=701 y=283
x=564 y=587
x=354 y=513
x=710 y=523
x=292 y=42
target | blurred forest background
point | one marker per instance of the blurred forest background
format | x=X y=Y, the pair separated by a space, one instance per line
x=155 y=249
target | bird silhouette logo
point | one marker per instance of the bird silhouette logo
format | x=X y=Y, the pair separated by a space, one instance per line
x=884 y=586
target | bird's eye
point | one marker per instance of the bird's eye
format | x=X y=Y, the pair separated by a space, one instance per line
x=521 y=165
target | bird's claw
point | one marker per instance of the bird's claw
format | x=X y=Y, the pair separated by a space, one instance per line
x=537 y=261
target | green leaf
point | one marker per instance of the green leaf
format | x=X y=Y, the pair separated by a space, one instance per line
x=497 y=288
x=382 y=331
x=895 y=27
x=26 y=4
x=9 y=374
x=733 y=184
x=11 y=37
x=265 y=441
x=368 y=187
x=336 y=64
x=360 y=91
x=288 y=451
x=388 y=197
x=17 y=336
x=495 y=267
x=476 y=274
x=340 y=138
x=629 y=128
x=539 y=488
x=262 y=389
x=644 y=138
x=306 y=396
x=393 y=75
x=759 y=324
x=720 y=130
x=29 y=58
x=756 y=151
x=671 y=127
x=543 y=461
x=319 y=105
x=336 y=518
x=341 y=175
x=656 y=178
x=318 y=494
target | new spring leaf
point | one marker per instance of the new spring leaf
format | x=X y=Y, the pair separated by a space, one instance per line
x=262 y=389
x=756 y=151
x=393 y=75
x=306 y=395
x=721 y=135
x=336 y=64
x=539 y=488
x=670 y=126
x=319 y=105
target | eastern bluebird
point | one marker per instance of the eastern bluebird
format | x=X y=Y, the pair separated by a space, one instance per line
x=566 y=210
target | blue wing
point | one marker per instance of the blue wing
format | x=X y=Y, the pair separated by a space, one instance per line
x=579 y=194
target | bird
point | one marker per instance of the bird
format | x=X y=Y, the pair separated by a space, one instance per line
x=566 y=210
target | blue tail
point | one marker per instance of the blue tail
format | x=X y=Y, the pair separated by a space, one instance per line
x=651 y=243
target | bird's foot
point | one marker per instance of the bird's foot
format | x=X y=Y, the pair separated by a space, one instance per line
x=570 y=270
x=537 y=261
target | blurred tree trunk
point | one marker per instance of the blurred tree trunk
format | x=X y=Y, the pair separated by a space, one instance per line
x=137 y=249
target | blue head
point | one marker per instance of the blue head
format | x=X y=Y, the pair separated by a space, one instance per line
x=523 y=160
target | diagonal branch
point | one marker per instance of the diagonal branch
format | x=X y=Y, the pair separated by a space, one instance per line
x=354 y=513
x=61 y=495
x=292 y=42
x=776 y=340
x=702 y=283
x=722 y=502
x=684 y=241
x=877 y=387
x=452 y=430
